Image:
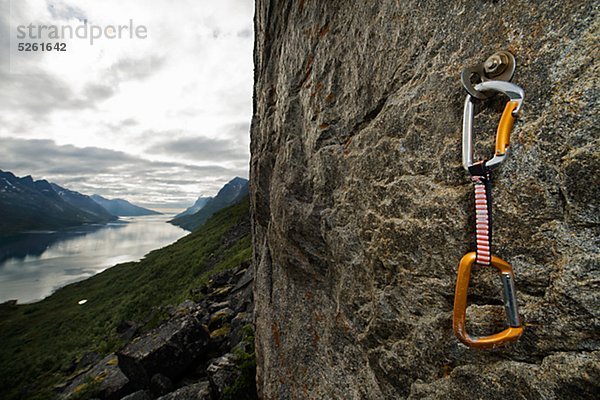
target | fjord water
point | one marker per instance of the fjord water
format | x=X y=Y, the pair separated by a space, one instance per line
x=33 y=265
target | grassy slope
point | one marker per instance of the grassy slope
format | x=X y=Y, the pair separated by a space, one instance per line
x=192 y=222
x=40 y=341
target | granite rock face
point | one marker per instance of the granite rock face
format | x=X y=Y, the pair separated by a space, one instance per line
x=362 y=210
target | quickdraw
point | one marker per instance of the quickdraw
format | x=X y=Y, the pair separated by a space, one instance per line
x=481 y=176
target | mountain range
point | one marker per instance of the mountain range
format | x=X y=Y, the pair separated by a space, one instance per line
x=234 y=191
x=82 y=201
x=27 y=205
x=122 y=208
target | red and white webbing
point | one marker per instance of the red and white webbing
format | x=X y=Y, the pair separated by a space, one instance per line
x=483 y=226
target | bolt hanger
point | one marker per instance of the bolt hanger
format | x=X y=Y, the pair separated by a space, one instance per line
x=500 y=66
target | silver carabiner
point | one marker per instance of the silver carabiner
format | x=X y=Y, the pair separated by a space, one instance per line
x=516 y=96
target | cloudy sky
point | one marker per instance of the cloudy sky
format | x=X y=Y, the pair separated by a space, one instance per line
x=159 y=119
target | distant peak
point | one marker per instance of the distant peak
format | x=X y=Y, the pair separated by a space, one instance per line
x=202 y=199
x=10 y=174
x=238 y=179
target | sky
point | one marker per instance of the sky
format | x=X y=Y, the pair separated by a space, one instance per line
x=158 y=117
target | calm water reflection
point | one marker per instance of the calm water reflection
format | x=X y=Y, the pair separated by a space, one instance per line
x=33 y=265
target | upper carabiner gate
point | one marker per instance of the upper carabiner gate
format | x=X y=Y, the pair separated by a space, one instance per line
x=516 y=96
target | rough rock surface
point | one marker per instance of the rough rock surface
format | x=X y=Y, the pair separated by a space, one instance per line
x=223 y=373
x=106 y=378
x=139 y=395
x=197 y=391
x=169 y=349
x=362 y=210
x=160 y=384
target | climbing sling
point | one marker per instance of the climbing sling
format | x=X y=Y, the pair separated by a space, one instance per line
x=481 y=177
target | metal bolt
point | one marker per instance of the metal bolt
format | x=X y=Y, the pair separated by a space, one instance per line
x=496 y=64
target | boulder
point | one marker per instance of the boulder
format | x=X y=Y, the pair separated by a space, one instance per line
x=238 y=324
x=168 y=349
x=127 y=329
x=187 y=307
x=160 y=384
x=197 y=391
x=218 y=305
x=221 y=292
x=105 y=380
x=362 y=209
x=222 y=373
x=139 y=395
x=247 y=276
x=219 y=317
x=88 y=358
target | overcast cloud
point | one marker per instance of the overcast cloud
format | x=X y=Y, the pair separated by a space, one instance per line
x=113 y=173
x=158 y=121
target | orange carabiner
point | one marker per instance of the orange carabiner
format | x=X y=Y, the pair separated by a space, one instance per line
x=505 y=127
x=514 y=329
x=515 y=95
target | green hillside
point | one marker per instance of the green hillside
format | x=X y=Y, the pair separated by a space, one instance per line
x=40 y=341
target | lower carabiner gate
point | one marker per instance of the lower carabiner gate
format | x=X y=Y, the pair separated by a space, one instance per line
x=514 y=330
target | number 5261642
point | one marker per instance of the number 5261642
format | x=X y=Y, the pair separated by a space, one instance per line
x=42 y=46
